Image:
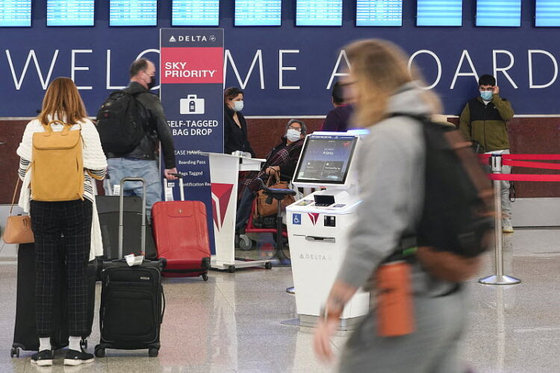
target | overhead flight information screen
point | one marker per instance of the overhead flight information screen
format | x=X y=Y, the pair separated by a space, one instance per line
x=547 y=13
x=70 y=12
x=133 y=13
x=498 y=13
x=195 y=13
x=379 y=13
x=258 y=12
x=439 y=13
x=15 y=13
x=319 y=13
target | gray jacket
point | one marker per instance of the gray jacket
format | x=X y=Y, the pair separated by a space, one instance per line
x=391 y=169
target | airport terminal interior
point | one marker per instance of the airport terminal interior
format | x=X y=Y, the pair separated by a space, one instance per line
x=257 y=315
x=243 y=321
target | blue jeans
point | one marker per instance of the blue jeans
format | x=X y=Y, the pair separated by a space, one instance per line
x=244 y=209
x=119 y=168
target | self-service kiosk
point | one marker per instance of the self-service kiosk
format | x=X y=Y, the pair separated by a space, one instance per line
x=318 y=224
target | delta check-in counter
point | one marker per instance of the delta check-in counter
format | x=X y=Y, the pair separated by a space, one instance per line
x=318 y=225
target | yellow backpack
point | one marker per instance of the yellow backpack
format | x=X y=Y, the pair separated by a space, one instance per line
x=57 y=165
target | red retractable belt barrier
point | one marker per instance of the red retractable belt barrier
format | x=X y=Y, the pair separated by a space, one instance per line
x=523 y=177
x=510 y=160
x=529 y=157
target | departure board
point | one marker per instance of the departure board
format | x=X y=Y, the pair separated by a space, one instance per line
x=498 y=13
x=133 y=13
x=379 y=13
x=70 y=12
x=195 y=13
x=258 y=12
x=15 y=13
x=439 y=13
x=319 y=13
x=547 y=13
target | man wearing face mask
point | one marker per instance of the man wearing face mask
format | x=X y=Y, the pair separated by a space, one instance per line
x=483 y=121
x=143 y=161
x=235 y=126
x=281 y=160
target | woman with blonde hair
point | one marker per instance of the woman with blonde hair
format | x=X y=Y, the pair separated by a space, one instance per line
x=65 y=230
x=391 y=168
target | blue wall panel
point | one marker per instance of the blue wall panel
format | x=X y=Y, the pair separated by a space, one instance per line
x=101 y=56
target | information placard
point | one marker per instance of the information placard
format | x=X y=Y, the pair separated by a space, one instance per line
x=379 y=13
x=70 y=12
x=15 y=13
x=258 y=12
x=191 y=64
x=195 y=13
x=319 y=13
x=133 y=13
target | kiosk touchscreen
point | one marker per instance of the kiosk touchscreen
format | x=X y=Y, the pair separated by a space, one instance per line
x=319 y=223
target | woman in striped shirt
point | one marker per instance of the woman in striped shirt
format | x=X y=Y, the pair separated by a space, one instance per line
x=76 y=221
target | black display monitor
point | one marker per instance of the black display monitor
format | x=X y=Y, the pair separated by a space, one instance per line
x=325 y=160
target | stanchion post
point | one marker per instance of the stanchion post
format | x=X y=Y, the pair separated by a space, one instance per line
x=499 y=278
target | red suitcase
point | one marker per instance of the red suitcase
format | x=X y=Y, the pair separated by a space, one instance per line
x=181 y=237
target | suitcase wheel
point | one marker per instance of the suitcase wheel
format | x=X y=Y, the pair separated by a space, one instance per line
x=14 y=352
x=231 y=269
x=83 y=344
x=245 y=243
x=268 y=265
x=99 y=351
x=153 y=352
x=205 y=277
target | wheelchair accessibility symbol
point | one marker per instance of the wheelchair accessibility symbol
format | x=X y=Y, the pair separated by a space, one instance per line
x=296 y=220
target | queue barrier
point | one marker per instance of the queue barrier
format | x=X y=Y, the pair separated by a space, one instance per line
x=514 y=160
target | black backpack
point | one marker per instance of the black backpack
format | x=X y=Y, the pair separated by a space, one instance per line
x=119 y=123
x=457 y=216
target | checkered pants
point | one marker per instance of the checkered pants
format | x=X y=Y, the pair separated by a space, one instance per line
x=50 y=222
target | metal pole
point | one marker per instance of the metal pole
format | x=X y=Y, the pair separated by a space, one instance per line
x=499 y=278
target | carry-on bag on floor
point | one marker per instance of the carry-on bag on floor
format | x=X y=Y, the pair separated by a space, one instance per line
x=132 y=300
x=108 y=211
x=25 y=329
x=181 y=236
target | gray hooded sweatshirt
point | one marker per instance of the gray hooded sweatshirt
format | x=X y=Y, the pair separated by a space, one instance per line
x=391 y=170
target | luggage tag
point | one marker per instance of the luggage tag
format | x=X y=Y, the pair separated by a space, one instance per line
x=168 y=190
x=116 y=190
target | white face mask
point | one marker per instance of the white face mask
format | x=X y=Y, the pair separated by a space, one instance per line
x=293 y=135
x=237 y=105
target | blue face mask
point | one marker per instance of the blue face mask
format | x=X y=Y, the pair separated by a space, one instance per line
x=486 y=95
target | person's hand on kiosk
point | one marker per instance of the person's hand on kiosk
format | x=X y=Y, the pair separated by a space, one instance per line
x=168 y=173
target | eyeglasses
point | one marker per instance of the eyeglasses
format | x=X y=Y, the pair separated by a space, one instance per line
x=295 y=128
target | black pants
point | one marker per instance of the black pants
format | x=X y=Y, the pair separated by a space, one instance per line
x=51 y=221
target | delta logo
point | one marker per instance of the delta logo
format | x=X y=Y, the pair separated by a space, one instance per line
x=221 y=194
x=314 y=216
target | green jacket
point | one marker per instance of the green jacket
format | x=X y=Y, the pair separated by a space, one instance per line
x=486 y=124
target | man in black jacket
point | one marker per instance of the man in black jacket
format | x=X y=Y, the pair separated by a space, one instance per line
x=143 y=160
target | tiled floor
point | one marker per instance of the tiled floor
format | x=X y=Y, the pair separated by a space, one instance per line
x=232 y=323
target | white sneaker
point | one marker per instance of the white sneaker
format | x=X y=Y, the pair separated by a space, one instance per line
x=506 y=226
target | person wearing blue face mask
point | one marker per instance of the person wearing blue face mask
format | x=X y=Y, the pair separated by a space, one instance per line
x=235 y=126
x=281 y=160
x=484 y=121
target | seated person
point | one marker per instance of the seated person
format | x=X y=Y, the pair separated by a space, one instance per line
x=281 y=160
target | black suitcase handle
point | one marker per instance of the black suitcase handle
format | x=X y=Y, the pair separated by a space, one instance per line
x=121 y=214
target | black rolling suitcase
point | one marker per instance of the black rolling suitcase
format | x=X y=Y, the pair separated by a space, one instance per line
x=132 y=300
x=25 y=330
x=108 y=211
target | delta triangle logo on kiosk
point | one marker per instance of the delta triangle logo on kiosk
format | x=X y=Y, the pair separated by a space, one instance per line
x=314 y=216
